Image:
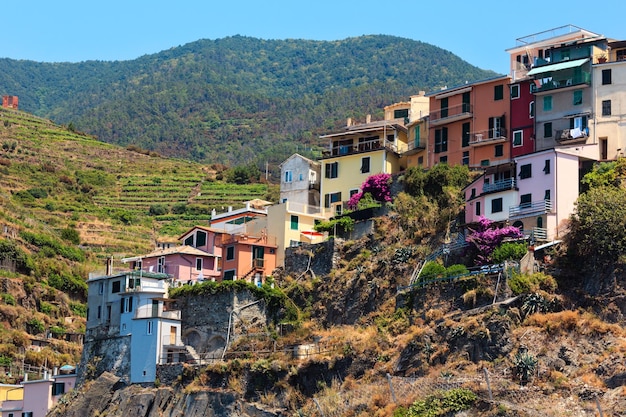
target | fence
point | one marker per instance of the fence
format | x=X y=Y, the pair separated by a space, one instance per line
x=498 y=389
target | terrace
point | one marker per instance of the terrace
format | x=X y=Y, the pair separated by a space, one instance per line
x=500 y=185
x=530 y=209
x=488 y=136
x=451 y=114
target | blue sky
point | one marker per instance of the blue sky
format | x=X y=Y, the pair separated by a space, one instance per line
x=478 y=32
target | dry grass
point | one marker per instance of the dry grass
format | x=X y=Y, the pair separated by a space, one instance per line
x=570 y=320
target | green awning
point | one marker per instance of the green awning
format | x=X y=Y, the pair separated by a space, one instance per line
x=556 y=67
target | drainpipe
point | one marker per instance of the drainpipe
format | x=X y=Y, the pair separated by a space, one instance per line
x=230 y=319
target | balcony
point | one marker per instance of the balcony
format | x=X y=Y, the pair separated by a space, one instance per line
x=301 y=208
x=248 y=239
x=450 y=114
x=530 y=209
x=501 y=185
x=171 y=340
x=536 y=233
x=166 y=314
x=489 y=136
x=359 y=147
x=561 y=81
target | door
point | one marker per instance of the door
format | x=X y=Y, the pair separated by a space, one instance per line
x=258 y=253
x=172 y=335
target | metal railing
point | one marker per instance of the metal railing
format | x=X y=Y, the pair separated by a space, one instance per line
x=536 y=233
x=528 y=209
x=488 y=135
x=144 y=314
x=360 y=147
x=500 y=185
x=561 y=82
x=464 y=109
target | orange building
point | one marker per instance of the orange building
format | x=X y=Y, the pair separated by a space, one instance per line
x=468 y=124
x=10 y=102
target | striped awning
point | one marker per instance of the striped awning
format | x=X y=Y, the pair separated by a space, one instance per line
x=557 y=67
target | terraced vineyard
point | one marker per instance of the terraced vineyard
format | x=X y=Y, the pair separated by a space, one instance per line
x=117 y=198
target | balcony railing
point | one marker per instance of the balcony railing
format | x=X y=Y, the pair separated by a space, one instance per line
x=258 y=263
x=562 y=81
x=536 y=233
x=169 y=340
x=150 y=314
x=296 y=207
x=360 y=147
x=454 y=112
x=501 y=185
x=530 y=209
x=486 y=136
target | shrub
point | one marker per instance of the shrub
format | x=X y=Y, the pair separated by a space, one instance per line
x=432 y=270
x=441 y=404
x=34 y=326
x=158 y=210
x=509 y=251
x=525 y=365
x=456 y=270
x=528 y=283
x=79 y=309
x=71 y=235
x=8 y=299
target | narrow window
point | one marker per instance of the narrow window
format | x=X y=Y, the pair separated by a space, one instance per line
x=525 y=200
x=288 y=176
x=518 y=138
x=546 y=167
x=294 y=222
x=547 y=130
x=230 y=253
x=514 y=91
x=198 y=264
x=525 y=171
x=499 y=150
x=498 y=92
x=578 y=97
x=478 y=208
x=365 y=165
x=547 y=103
x=606 y=107
x=606 y=76
x=149 y=328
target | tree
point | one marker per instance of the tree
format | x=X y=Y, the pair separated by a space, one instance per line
x=486 y=236
x=597 y=236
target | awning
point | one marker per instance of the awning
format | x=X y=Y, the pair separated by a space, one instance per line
x=557 y=67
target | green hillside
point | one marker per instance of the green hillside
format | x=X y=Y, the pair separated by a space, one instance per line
x=234 y=100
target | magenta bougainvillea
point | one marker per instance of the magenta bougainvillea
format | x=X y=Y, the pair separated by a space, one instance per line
x=486 y=237
x=378 y=186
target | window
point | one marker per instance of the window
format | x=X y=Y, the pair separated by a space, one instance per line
x=99 y=311
x=331 y=198
x=484 y=163
x=188 y=241
x=606 y=107
x=525 y=200
x=606 y=76
x=525 y=171
x=294 y=222
x=546 y=167
x=116 y=287
x=578 y=122
x=465 y=160
x=420 y=161
x=465 y=134
x=531 y=110
x=161 y=265
x=444 y=107
x=441 y=140
x=443 y=159
x=230 y=253
x=58 y=388
x=365 y=165
x=496 y=127
x=499 y=150
x=473 y=194
x=546 y=196
x=332 y=170
x=198 y=264
x=496 y=205
x=498 y=92
x=229 y=275
x=578 y=97
x=399 y=114
x=418 y=136
x=288 y=176
x=200 y=238
x=547 y=130
x=354 y=191
x=101 y=287
x=27 y=414
x=478 y=208
x=514 y=91
x=547 y=103
x=518 y=138
x=126 y=304
x=150 y=326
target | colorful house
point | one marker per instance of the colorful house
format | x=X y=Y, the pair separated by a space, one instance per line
x=186 y=264
x=609 y=90
x=300 y=181
x=132 y=308
x=534 y=193
x=468 y=124
x=361 y=150
x=38 y=396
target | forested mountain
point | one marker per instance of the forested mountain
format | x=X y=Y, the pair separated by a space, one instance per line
x=234 y=100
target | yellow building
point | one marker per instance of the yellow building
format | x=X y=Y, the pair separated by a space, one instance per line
x=359 y=151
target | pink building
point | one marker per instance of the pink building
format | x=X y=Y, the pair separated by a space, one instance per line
x=525 y=193
x=39 y=396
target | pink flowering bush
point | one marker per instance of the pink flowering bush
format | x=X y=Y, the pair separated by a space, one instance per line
x=378 y=186
x=486 y=237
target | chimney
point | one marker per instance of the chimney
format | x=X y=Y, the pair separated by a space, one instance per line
x=368 y=118
x=349 y=122
x=109 y=266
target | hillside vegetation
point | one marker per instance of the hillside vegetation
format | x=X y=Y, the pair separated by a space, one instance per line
x=234 y=100
x=68 y=202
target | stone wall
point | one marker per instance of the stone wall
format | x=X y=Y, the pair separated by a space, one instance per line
x=205 y=319
x=322 y=258
x=110 y=354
